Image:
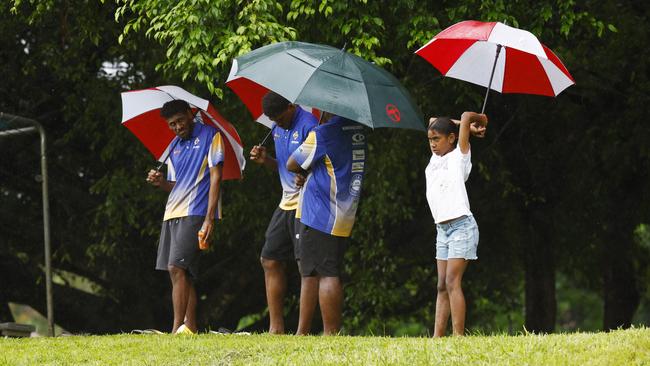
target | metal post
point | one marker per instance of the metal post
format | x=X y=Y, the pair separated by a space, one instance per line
x=46 y=210
x=494 y=66
x=18 y=131
x=46 y=233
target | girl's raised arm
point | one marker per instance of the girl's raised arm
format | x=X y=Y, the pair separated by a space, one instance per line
x=466 y=120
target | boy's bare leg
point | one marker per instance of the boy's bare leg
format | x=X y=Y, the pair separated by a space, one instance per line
x=330 y=295
x=455 y=270
x=275 y=280
x=180 y=292
x=308 y=301
x=442 y=301
x=190 y=312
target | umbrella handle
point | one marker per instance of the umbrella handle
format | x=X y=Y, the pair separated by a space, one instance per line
x=494 y=66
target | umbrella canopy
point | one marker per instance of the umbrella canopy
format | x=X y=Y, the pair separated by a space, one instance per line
x=469 y=50
x=325 y=78
x=251 y=93
x=141 y=115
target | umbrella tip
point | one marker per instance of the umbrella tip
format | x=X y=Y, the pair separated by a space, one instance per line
x=344 y=44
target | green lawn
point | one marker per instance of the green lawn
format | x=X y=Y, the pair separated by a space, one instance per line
x=628 y=347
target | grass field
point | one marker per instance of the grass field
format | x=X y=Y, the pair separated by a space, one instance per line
x=625 y=347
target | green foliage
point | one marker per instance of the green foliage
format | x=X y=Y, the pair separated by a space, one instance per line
x=97 y=217
x=202 y=36
x=579 y=309
x=250 y=320
x=358 y=26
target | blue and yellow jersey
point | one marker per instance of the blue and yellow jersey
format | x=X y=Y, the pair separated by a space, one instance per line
x=189 y=166
x=286 y=142
x=336 y=154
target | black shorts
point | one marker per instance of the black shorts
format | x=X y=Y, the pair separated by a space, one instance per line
x=179 y=244
x=281 y=240
x=320 y=254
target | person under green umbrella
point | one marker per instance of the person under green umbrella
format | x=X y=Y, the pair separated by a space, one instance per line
x=333 y=158
x=291 y=126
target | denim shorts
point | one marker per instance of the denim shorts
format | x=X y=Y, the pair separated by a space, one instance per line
x=457 y=239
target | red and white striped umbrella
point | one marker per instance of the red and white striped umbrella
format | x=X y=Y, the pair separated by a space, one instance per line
x=469 y=50
x=141 y=115
x=251 y=93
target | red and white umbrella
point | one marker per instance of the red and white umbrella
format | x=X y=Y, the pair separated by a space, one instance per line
x=251 y=93
x=470 y=49
x=141 y=115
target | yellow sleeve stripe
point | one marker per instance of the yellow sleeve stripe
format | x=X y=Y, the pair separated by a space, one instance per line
x=309 y=146
x=216 y=147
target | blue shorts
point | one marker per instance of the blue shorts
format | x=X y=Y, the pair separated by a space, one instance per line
x=457 y=239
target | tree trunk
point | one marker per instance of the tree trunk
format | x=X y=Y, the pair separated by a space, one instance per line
x=541 y=307
x=621 y=292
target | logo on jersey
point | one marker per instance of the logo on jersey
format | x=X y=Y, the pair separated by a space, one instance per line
x=355 y=185
x=294 y=137
x=393 y=112
x=358 y=139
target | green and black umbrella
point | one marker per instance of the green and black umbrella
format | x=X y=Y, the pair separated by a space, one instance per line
x=325 y=78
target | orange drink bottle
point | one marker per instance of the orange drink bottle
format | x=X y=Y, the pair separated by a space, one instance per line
x=203 y=243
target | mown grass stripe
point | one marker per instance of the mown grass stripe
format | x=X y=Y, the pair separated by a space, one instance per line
x=623 y=347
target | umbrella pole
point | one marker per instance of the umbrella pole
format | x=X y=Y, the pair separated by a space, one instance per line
x=494 y=66
x=265 y=138
x=162 y=162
